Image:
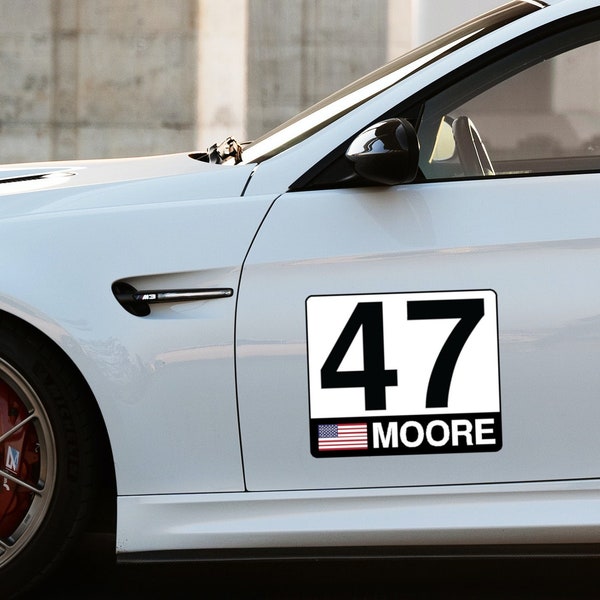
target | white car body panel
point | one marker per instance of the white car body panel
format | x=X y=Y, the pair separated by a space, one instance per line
x=462 y=516
x=206 y=404
x=438 y=236
x=143 y=371
x=91 y=172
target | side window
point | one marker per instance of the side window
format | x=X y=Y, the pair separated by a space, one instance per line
x=543 y=119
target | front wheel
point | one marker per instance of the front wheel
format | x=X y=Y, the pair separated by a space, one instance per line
x=46 y=456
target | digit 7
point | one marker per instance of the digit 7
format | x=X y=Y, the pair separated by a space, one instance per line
x=469 y=311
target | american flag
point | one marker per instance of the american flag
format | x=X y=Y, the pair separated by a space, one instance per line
x=343 y=436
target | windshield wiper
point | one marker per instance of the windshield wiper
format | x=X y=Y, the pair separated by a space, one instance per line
x=219 y=153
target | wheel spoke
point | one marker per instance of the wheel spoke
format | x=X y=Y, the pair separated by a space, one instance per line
x=18 y=426
x=27 y=486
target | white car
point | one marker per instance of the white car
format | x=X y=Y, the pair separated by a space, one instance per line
x=375 y=329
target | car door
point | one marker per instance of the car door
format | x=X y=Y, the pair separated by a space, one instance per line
x=444 y=331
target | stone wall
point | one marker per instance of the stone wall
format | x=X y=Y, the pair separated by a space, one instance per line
x=108 y=78
x=27 y=80
x=96 y=78
x=300 y=51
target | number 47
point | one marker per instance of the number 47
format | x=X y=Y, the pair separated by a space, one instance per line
x=374 y=377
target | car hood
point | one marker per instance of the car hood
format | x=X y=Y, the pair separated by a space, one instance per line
x=72 y=185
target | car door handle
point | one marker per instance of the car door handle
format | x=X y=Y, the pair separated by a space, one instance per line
x=137 y=302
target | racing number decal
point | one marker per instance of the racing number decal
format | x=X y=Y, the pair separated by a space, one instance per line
x=407 y=373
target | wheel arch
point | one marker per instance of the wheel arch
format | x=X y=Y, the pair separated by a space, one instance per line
x=104 y=513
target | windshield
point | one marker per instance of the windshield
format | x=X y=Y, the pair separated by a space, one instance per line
x=333 y=107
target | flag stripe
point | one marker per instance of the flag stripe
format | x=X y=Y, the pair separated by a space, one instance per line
x=343 y=436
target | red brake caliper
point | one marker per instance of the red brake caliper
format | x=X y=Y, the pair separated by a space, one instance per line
x=19 y=457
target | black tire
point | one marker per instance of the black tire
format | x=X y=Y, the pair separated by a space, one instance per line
x=47 y=463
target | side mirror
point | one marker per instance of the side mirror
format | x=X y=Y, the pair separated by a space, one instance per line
x=386 y=152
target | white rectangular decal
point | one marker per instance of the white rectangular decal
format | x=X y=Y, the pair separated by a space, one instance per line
x=405 y=373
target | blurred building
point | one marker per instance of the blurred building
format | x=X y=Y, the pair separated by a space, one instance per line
x=108 y=78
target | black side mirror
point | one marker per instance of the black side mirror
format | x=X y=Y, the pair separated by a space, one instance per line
x=386 y=152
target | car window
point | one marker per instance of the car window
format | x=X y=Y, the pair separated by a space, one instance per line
x=536 y=112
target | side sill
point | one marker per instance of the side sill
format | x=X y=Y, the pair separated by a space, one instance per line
x=492 y=552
